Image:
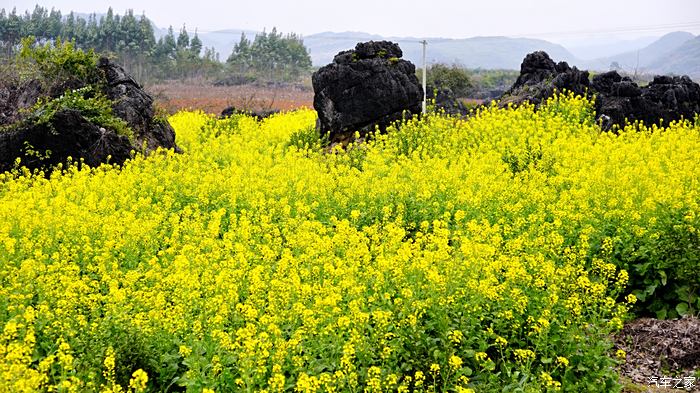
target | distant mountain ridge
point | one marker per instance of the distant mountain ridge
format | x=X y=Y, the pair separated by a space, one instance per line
x=596 y=49
x=674 y=53
x=684 y=60
x=476 y=52
x=643 y=58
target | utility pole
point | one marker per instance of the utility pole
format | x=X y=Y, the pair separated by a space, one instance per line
x=425 y=73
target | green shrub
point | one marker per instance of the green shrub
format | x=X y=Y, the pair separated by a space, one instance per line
x=441 y=76
x=485 y=80
x=56 y=62
x=529 y=157
x=70 y=79
x=663 y=264
x=91 y=103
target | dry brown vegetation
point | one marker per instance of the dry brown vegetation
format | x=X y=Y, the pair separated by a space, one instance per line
x=174 y=96
x=660 y=348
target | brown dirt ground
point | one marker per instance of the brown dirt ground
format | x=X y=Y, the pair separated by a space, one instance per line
x=657 y=348
x=174 y=96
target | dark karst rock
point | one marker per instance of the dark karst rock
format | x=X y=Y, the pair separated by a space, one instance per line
x=668 y=98
x=540 y=77
x=368 y=87
x=16 y=97
x=69 y=133
x=678 y=96
x=132 y=104
x=618 y=98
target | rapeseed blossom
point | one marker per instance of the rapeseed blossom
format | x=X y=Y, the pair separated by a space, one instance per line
x=446 y=255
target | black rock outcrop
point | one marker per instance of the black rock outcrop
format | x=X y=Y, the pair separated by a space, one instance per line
x=133 y=105
x=664 y=98
x=540 y=77
x=370 y=86
x=69 y=133
x=618 y=99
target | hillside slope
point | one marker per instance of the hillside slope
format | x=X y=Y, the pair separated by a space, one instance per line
x=685 y=60
x=645 y=57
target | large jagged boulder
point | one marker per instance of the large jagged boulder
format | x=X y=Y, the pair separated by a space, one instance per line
x=67 y=134
x=370 y=86
x=540 y=77
x=132 y=104
x=41 y=141
x=618 y=99
x=677 y=96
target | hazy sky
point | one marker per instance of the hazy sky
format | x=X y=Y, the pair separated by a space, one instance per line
x=556 y=20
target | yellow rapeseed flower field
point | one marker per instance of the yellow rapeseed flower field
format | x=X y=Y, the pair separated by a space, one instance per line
x=488 y=254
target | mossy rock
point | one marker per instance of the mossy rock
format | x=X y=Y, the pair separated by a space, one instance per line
x=69 y=103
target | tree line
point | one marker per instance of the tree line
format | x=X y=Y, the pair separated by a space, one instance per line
x=272 y=56
x=133 y=41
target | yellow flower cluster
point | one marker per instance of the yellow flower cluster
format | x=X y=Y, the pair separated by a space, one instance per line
x=443 y=256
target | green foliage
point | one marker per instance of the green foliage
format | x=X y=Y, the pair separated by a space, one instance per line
x=32 y=155
x=529 y=157
x=442 y=76
x=216 y=127
x=486 y=80
x=91 y=104
x=58 y=61
x=663 y=264
x=59 y=65
x=270 y=56
x=129 y=38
